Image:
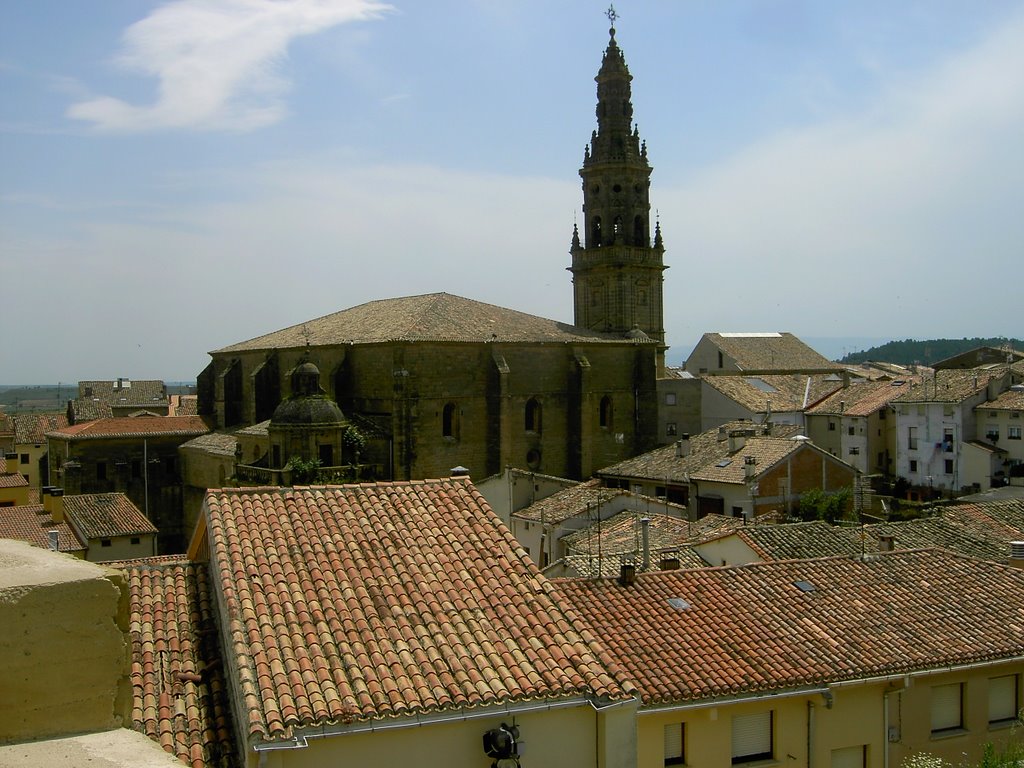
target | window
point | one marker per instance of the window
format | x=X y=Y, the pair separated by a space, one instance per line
x=881 y=412
x=947 y=708
x=947 y=439
x=831 y=426
x=533 y=414
x=992 y=432
x=949 y=466
x=606 y=412
x=670 y=398
x=752 y=738
x=101 y=470
x=913 y=465
x=136 y=469
x=851 y=430
x=674 y=744
x=912 y=438
x=25 y=458
x=855 y=451
x=135 y=539
x=1002 y=700
x=670 y=429
x=325 y=452
x=104 y=542
x=849 y=757
x=450 y=421
x=1013 y=433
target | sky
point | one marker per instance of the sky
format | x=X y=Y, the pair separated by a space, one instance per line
x=178 y=176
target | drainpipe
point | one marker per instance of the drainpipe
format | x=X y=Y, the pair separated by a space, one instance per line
x=810 y=736
x=145 y=474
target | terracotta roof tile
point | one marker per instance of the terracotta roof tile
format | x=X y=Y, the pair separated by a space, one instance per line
x=947 y=386
x=348 y=603
x=12 y=479
x=431 y=317
x=780 y=392
x=179 y=692
x=748 y=629
x=102 y=515
x=1010 y=400
x=32 y=427
x=140 y=426
x=770 y=351
x=705 y=449
x=217 y=443
x=569 y=503
x=30 y=523
x=860 y=399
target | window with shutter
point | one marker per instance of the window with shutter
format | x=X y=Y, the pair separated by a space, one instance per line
x=849 y=757
x=1002 y=699
x=947 y=707
x=751 y=738
x=674 y=744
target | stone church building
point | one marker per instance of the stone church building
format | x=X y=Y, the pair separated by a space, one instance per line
x=438 y=381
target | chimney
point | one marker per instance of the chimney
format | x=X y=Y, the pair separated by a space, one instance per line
x=627 y=575
x=683 y=446
x=886 y=542
x=846 y=378
x=842 y=406
x=52 y=538
x=645 y=538
x=670 y=563
x=56 y=508
x=749 y=467
x=722 y=435
x=737 y=439
x=1017 y=554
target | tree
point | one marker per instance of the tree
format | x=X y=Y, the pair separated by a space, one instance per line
x=815 y=504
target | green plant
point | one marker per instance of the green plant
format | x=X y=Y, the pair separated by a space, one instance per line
x=303 y=470
x=815 y=504
x=354 y=442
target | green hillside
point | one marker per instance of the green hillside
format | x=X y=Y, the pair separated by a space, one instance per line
x=926 y=352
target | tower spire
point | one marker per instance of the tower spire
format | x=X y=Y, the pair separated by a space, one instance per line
x=617 y=270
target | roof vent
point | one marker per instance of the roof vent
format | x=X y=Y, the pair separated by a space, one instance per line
x=886 y=543
x=669 y=564
x=52 y=538
x=459 y=471
x=1017 y=550
x=627 y=575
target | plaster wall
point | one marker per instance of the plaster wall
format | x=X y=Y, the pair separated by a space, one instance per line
x=64 y=647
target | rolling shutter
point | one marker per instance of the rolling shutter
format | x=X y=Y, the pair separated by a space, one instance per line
x=848 y=757
x=752 y=737
x=674 y=744
x=1002 y=698
x=946 y=709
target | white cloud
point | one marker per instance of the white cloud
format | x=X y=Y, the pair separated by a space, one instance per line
x=894 y=220
x=215 y=62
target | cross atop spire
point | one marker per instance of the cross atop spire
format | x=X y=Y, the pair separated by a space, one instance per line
x=611 y=14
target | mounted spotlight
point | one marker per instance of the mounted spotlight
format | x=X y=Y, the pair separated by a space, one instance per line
x=503 y=745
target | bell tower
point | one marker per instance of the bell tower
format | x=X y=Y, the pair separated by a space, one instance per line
x=617 y=271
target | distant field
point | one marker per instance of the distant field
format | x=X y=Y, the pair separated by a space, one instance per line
x=35 y=397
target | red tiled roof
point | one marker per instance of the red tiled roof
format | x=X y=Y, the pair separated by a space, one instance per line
x=32 y=427
x=30 y=523
x=12 y=480
x=179 y=696
x=138 y=426
x=860 y=399
x=743 y=630
x=101 y=515
x=348 y=603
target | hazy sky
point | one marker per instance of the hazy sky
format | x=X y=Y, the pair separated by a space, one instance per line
x=178 y=176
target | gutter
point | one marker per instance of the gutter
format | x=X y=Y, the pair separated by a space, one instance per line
x=758 y=695
x=301 y=739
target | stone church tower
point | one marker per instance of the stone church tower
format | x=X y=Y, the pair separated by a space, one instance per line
x=617 y=271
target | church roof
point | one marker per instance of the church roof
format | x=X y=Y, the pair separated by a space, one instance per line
x=430 y=317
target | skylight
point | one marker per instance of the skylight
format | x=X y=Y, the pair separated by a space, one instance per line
x=724 y=463
x=678 y=603
x=760 y=384
x=804 y=586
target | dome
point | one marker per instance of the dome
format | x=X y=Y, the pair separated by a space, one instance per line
x=314 y=409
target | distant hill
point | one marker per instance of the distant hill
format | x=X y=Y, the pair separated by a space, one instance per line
x=925 y=352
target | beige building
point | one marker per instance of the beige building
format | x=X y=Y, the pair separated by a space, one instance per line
x=30 y=448
x=369 y=622
x=66 y=699
x=1000 y=427
x=740 y=469
x=840 y=661
x=857 y=424
x=754 y=353
x=14 y=488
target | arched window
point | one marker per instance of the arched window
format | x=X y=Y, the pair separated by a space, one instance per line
x=533 y=414
x=595 y=230
x=617 y=229
x=638 y=231
x=606 y=412
x=450 y=421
